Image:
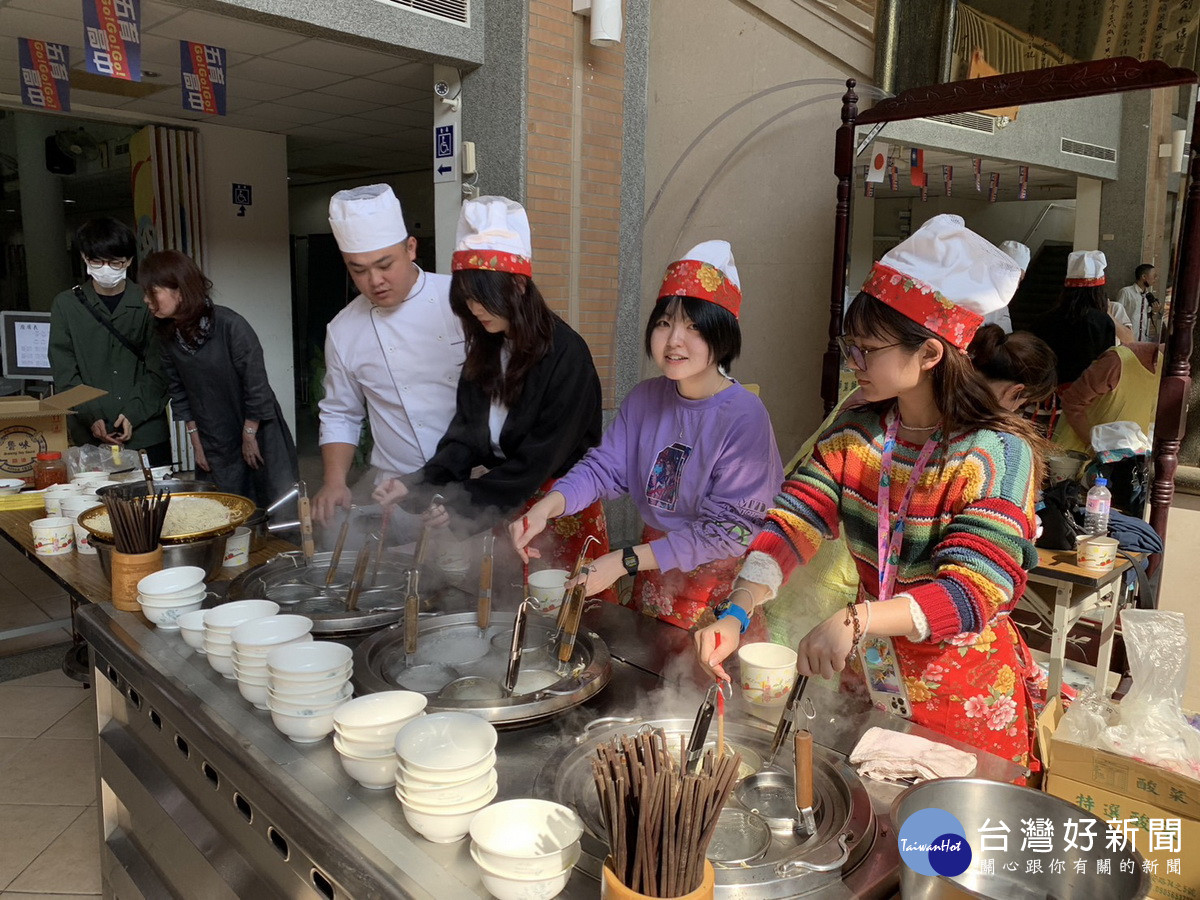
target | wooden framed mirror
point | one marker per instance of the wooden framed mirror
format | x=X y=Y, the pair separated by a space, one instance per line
x=994 y=95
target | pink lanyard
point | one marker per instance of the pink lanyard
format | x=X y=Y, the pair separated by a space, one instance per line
x=891 y=539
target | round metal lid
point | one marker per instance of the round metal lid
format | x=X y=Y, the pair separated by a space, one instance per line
x=455 y=663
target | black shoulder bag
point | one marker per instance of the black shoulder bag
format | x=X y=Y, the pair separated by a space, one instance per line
x=125 y=342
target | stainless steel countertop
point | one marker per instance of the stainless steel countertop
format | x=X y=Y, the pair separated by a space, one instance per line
x=362 y=832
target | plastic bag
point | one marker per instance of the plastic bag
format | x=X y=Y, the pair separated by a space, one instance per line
x=96 y=458
x=1120 y=439
x=1150 y=725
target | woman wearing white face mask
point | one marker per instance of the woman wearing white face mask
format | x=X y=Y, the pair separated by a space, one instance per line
x=101 y=335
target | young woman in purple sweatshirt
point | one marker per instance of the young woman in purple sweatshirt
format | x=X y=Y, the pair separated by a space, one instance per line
x=693 y=449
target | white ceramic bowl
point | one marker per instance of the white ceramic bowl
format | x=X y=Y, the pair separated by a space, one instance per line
x=444 y=825
x=191 y=627
x=167 y=618
x=515 y=887
x=526 y=837
x=254 y=693
x=449 y=776
x=257 y=656
x=228 y=616
x=254 y=678
x=303 y=729
x=162 y=603
x=326 y=703
x=361 y=749
x=467 y=792
x=261 y=633
x=319 y=659
x=288 y=684
x=181 y=596
x=174 y=580
x=11 y=485
x=445 y=741
x=215 y=645
x=378 y=715
x=221 y=663
x=376 y=773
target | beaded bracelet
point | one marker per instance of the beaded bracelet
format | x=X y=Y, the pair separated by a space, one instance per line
x=852 y=617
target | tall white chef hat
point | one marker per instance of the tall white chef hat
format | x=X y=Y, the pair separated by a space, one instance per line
x=706 y=272
x=1085 y=268
x=946 y=277
x=1019 y=253
x=366 y=218
x=493 y=235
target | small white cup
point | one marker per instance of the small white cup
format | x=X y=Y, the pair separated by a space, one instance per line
x=1097 y=553
x=83 y=540
x=53 y=497
x=768 y=672
x=52 y=536
x=237 y=547
x=547 y=586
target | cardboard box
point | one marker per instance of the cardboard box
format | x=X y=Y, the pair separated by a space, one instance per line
x=29 y=426
x=1116 y=787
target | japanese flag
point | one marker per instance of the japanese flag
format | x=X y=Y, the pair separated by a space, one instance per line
x=879 y=162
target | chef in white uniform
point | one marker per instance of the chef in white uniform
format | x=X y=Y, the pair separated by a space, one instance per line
x=393 y=354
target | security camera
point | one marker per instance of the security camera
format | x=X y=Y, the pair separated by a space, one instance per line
x=441 y=89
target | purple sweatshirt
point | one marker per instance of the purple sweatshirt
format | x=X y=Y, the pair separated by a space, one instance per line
x=703 y=471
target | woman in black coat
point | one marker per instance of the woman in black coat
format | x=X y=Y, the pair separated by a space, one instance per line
x=218 y=382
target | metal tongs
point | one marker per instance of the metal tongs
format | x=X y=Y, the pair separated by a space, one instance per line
x=423 y=541
x=699 y=736
x=360 y=573
x=516 y=648
x=787 y=720
x=336 y=559
x=144 y=459
x=571 y=613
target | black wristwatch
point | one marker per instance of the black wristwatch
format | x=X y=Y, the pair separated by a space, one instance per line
x=629 y=560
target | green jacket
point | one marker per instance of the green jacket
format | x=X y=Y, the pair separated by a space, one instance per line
x=82 y=351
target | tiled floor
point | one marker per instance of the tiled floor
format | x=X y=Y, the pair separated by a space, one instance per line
x=49 y=824
x=28 y=597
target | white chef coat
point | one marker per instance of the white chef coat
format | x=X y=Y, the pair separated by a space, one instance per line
x=1133 y=300
x=399 y=366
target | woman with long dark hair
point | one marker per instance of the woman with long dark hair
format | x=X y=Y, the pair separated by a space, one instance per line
x=218 y=382
x=1079 y=327
x=528 y=403
x=933 y=484
x=693 y=449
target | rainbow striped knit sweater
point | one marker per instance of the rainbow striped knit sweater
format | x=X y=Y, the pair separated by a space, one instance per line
x=968 y=536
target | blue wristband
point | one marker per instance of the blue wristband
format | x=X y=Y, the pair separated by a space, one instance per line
x=728 y=609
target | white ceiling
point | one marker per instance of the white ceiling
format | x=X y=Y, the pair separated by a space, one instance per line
x=347 y=112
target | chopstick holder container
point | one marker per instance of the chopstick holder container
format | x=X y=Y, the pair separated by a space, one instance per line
x=611 y=887
x=127 y=570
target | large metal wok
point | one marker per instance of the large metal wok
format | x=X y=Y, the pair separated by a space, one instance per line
x=452 y=652
x=789 y=865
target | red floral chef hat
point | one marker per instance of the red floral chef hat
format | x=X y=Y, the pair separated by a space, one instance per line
x=946 y=277
x=493 y=234
x=706 y=272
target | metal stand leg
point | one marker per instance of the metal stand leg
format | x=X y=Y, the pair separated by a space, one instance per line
x=1107 y=629
x=75 y=664
x=1058 y=639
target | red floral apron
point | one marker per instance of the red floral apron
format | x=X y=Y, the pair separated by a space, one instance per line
x=680 y=598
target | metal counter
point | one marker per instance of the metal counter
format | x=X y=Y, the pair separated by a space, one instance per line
x=202 y=797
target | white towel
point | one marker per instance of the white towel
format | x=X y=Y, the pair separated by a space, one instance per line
x=894 y=756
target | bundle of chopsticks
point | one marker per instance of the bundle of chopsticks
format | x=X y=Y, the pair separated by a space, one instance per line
x=659 y=820
x=137 y=522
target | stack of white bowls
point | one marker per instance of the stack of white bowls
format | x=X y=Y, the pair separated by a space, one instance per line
x=253 y=640
x=305 y=684
x=219 y=623
x=170 y=593
x=191 y=629
x=365 y=731
x=446 y=773
x=525 y=849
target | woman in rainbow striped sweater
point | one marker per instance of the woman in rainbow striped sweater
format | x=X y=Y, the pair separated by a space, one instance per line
x=934 y=484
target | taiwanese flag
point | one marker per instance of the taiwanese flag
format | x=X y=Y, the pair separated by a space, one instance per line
x=916 y=168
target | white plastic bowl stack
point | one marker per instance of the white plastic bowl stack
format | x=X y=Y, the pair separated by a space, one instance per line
x=305 y=684
x=170 y=593
x=445 y=773
x=253 y=640
x=219 y=623
x=365 y=731
x=526 y=848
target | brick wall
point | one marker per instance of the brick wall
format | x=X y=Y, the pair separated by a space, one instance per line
x=573 y=159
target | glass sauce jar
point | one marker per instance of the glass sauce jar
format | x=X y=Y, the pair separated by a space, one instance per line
x=50 y=468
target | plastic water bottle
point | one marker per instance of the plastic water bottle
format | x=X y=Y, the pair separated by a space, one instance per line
x=1099 y=502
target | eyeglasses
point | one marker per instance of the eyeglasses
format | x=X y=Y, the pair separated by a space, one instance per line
x=857 y=355
x=119 y=264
